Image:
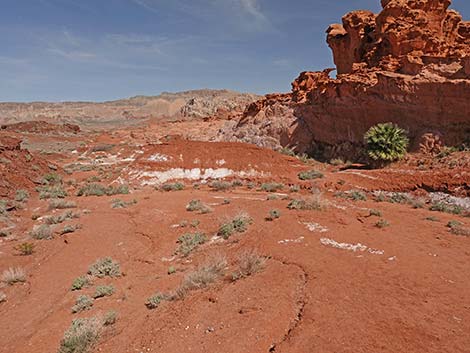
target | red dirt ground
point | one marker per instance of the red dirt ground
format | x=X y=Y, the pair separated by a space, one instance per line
x=406 y=292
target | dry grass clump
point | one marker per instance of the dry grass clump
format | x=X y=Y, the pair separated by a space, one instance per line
x=314 y=202
x=238 y=224
x=105 y=267
x=199 y=206
x=70 y=229
x=249 y=263
x=447 y=208
x=457 y=228
x=81 y=282
x=95 y=189
x=58 y=204
x=25 y=248
x=382 y=223
x=52 y=192
x=81 y=336
x=189 y=242
x=41 y=232
x=13 y=275
x=206 y=274
x=154 y=301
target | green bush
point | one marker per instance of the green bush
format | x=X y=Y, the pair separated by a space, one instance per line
x=188 y=242
x=273 y=214
x=80 y=282
x=103 y=291
x=238 y=224
x=84 y=302
x=154 y=301
x=386 y=142
x=173 y=187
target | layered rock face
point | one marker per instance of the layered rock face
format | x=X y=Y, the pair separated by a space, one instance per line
x=410 y=65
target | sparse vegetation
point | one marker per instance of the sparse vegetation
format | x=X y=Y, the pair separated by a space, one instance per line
x=41 y=232
x=457 y=228
x=154 y=301
x=70 y=229
x=25 y=249
x=83 y=302
x=313 y=203
x=51 y=179
x=189 y=242
x=249 y=263
x=310 y=175
x=375 y=213
x=103 y=291
x=432 y=219
x=294 y=188
x=171 y=270
x=382 y=223
x=219 y=185
x=357 y=195
x=58 y=204
x=80 y=282
x=105 y=267
x=172 y=187
x=238 y=224
x=95 y=189
x=52 y=192
x=271 y=187
x=81 y=336
x=110 y=318
x=204 y=275
x=287 y=151
x=198 y=205
x=447 y=208
x=118 y=203
x=13 y=275
x=386 y=143
x=273 y=214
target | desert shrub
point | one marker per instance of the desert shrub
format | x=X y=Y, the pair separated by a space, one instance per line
x=95 y=189
x=58 y=204
x=110 y=318
x=447 y=208
x=357 y=195
x=249 y=263
x=188 y=242
x=102 y=148
x=226 y=202
x=432 y=219
x=52 y=192
x=81 y=336
x=238 y=224
x=105 y=267
x=118 y=203
x=154 y=301
x=25 y=249
x=3 y=207
x=273 y=214
x=237 y=182
x=70 y=229
x=272 y=197
x=3 y=297
x=103 y=291
x=310 y=175
x=386 y=142
x=83 y=302
x=13 y=275
x=375 y=212
x=382 y=223
x=21 y=195
x=294 y=188
x=313 y=203
x=271 y=187
x=51 y=179
x=198 y=205
x=219 y=185
x=397 y=197
x=80 y=282
x=460 y=230
x=171 y=270
x=41 y=232
x=204 y=275
x=173 y=187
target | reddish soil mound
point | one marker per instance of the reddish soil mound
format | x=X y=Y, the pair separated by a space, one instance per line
x=19 y=169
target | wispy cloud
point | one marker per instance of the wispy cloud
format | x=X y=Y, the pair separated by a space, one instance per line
x=253 y=8
x=72 y=54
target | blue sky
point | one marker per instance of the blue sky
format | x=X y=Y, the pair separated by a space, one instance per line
x=98 y=50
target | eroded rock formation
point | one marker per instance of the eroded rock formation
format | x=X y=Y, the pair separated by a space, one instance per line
x=410 y=64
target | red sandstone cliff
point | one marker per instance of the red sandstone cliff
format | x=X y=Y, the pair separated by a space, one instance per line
x=410 y=64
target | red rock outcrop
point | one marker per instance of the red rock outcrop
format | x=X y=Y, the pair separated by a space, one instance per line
x=410 y=65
